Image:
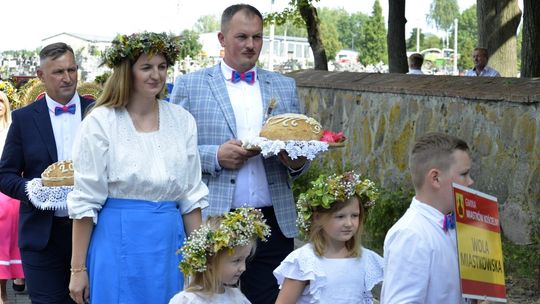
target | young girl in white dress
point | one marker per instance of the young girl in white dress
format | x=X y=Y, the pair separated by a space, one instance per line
x=215 y=256
x=332 y=267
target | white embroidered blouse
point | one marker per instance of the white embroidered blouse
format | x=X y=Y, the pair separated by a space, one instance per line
x=112 y=159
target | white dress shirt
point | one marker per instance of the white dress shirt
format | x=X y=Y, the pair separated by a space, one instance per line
x=251 y=183
x=65 y=128
x=421 y=262
x=487 y=72
x=112 y=159
x=415 y=72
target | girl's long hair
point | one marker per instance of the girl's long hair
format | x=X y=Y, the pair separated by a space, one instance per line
x=321 y=216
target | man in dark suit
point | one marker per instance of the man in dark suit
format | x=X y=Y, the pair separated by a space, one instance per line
x=41 y=134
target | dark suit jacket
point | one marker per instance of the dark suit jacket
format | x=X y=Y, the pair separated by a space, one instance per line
x=29 y=149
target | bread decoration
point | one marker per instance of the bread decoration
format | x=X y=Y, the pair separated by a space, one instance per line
x=291 y=126
x=58 y=174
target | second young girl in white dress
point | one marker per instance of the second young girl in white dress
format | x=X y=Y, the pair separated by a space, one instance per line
x=333 y=267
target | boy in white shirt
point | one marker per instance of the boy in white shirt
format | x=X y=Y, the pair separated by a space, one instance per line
x=421 y=263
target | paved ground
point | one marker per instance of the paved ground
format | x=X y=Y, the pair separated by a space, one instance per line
x=16 y=297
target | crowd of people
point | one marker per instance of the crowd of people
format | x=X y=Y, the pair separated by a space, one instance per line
x=160 y=185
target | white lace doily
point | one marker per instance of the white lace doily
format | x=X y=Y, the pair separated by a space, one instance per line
x=47 y=198
x=295 y=148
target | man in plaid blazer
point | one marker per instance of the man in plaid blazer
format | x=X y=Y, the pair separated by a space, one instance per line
x=229 y=102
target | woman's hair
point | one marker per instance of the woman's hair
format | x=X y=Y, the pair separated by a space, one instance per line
x=5 y=120
x=322 y=215
x=119 y=86
x=209 y=281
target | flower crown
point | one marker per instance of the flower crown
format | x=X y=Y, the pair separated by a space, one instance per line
x=132 y=46
x=326 y=190
x=237 y=228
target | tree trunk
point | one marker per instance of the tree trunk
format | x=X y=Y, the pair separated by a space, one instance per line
x=497 y=27
x=397 y=50
x=530 y=46
x=309 y=14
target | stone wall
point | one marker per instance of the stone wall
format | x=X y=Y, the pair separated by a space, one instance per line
x=382 y=114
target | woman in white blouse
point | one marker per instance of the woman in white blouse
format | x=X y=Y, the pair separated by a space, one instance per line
x=137 y=169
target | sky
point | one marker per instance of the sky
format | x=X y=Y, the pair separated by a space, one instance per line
x=26 y=23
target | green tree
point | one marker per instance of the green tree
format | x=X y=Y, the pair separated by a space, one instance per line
x=467 y=35
x=373 y=47
x=350 y=29
x=305 y=11
x=207 y=24
x=442 y=14
x=427 y=41
x=431 y=41
x=411 y=42
x=289 y=28
x=190 y=45
x=329 y=31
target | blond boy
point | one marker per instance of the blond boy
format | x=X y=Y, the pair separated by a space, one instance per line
x=421 y=263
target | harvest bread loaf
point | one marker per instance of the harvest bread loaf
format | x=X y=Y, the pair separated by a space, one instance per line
x=58 y=174
x=291 y=127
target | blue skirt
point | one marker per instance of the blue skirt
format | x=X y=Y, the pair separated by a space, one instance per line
x=132 y=252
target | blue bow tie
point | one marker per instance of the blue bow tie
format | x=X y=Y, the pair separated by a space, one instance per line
x=449 y=222
x=64 y=109
x=248 y=77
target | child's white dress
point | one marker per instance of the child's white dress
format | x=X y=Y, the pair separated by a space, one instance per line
x=231 y=295
x=347 y=280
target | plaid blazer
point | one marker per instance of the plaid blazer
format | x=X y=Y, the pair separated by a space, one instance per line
x=204 y=95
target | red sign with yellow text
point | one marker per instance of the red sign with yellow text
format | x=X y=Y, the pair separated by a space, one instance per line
x=479 y=245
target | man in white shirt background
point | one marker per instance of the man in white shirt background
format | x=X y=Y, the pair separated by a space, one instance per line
x=481 y=58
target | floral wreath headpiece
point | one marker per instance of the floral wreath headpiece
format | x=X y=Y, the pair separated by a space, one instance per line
x=132 y=46
x=326 y=190
x=238 y=228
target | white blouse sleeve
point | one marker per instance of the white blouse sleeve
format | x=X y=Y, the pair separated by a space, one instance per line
x=196 y=195
x=303 y=265
x=90 y=151
x=374 y=268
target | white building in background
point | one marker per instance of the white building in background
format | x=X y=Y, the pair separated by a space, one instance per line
x=285 y=50
x=87 y=50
